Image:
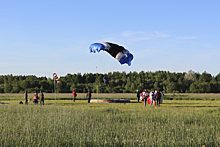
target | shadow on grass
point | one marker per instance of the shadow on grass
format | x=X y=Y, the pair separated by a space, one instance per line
x=175 y=95
x=135 y=102
x=64 y=99
x=196 y=106
x=64 y=104
x=181 y=103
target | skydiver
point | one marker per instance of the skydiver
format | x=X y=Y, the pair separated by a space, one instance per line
x=153 y=98
x=105 y=79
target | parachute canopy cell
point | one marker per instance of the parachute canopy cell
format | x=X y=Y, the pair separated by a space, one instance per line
x=116 y=51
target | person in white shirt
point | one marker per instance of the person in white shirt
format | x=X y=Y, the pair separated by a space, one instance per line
x=153 y=98
x=145 y=96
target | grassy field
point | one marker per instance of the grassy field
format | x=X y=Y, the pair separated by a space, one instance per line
x=62 y=122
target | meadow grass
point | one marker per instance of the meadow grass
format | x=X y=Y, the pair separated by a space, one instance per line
x=192 y=96
x=65 y=123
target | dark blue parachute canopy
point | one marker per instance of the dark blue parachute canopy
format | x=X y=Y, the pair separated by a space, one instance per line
x=116 y=51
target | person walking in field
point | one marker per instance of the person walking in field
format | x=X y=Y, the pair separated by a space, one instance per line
x=158 y=97
x=161 y=99
x=26 y=97
x=35 y=97
x=41 y=98
x=89 y=95
x=74 y=95
x=153 y=98
x=138 y=96
x=145 y=96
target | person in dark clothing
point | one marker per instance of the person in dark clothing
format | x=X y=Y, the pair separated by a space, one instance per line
x=89 y=95
x=145 y=95
x=138 y=96
x=158 y=97
x=105 y=79
x=41 y=98
x=26 y=97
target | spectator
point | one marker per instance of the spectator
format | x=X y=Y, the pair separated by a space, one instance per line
x=26 y=97
x=35 y=97
x=41 y=98
x=158 y=97
x=89 y=95
x=74 y=95
x=138 y=96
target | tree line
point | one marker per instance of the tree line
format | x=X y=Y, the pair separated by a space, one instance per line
x=119 y=82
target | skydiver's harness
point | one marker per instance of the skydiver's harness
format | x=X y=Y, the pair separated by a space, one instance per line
x=105 y=79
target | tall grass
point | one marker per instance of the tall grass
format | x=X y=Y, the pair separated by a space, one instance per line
x=82 y=124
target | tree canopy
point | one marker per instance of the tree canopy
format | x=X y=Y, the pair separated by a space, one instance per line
x=123 y=82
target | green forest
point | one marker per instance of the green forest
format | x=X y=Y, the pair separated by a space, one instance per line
x=119 y=82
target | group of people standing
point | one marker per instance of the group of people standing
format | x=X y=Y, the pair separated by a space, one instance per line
x=153 y=97
x=88 y=95
x=36 y=97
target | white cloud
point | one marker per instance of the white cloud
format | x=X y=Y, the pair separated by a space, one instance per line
x=188 y=38
x=160 y=35
x=131 y=33
x=141 y=35
x=209 y=45
x=206 y=55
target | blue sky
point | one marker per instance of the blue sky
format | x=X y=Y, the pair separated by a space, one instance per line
x=40 y=37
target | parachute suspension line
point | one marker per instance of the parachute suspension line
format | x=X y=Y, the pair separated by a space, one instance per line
x=114 y=66
x=104 y=60
x=101 y=63
x=97 y=85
